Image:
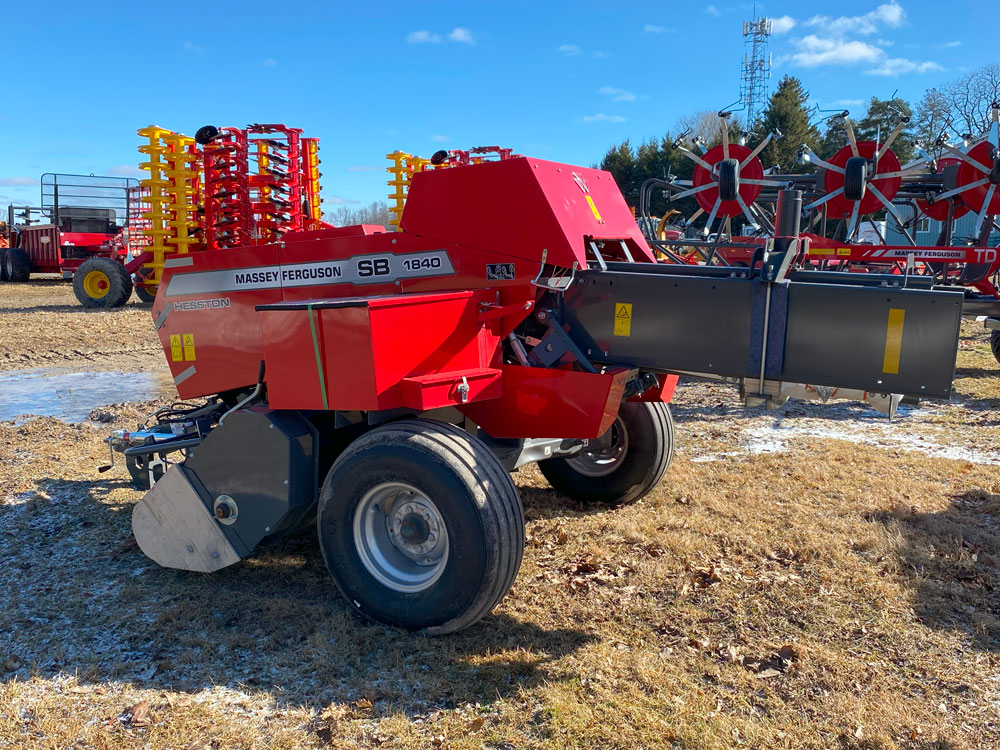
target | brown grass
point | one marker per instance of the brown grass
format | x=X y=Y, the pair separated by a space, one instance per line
x=834 y=595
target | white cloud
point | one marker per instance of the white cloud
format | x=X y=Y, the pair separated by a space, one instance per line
x=15 y=181
x=814 y=51
x=949 y=45
x=569 y=49
x=782 y=25
x=651 y=29
x=603 y=118
x=440 y=138
x=617 y=95
x=462 y=35
x=363 y=168
x=895 y=66
x=601 y=55
x=193 y=49
x=889 y=14
x=848 y=102
x=713 y=11
x=337 y=200
x=423 y=37
x=269 y=62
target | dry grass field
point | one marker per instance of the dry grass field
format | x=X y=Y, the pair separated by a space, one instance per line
x=815 y=577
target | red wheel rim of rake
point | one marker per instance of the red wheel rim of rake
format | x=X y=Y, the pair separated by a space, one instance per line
x=976 y=197
x=939 y=211
x=707 y=199
x=839 y=207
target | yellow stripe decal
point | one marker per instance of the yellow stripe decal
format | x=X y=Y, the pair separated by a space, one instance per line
x=893 y=341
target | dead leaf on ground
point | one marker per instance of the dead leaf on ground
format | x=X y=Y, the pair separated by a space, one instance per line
x=769 y=672
x=137 y=716
x=476 y=724
x=363 y=704
x=561 y=536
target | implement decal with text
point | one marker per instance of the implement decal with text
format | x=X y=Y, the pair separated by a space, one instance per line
x=359 y=269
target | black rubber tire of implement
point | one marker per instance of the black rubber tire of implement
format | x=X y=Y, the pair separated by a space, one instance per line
x=479 y=507
x=729 y=179
x=142 y=292
x=120 y=284
x=995 y=344
x=650 y=429
x=855 y=173
x=17 y=264
x=3 y=264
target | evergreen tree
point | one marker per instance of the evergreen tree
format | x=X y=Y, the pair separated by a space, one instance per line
x=834 y=138
x=786 y=112
x=882 y=117
x=621 y=163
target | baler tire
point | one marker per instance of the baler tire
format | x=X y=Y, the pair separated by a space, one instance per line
x=3 y=264
x=649 y=448
x=995 y=344
x=17 y=264
x=142 y=292
x=112 y=287
x=472 y=498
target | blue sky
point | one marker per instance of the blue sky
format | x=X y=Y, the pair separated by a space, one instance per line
x=557 y=80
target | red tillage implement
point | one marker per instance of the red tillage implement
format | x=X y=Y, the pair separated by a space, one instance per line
x=384 y=384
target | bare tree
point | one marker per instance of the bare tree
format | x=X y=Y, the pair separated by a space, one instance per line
x=933 y=117
x=345 y=216
x=971 y=98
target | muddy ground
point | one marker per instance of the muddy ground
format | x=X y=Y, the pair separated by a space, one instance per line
x=814 y=577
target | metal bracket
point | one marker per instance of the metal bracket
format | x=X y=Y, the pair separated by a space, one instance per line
x=558 y=282
x=555 y=344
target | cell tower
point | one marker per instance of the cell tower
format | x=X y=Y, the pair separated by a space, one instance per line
x=756 y=68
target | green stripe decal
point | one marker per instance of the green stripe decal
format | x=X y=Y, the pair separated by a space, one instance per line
x=319 y=359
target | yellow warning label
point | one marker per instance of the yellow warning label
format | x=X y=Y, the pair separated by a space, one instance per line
x=597 y=214
x=843 y=251
x=893 y=341
x=623 y=319
x=821 y=251
x=176 y=353
x=189 y=347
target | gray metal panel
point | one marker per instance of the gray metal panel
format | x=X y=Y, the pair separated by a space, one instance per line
x=677 y=323
x=836 y=336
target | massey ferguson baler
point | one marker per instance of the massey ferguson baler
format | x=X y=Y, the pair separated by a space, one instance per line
x=384 y=384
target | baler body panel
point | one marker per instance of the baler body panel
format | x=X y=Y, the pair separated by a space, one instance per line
x=376 y=353
x=519 y=207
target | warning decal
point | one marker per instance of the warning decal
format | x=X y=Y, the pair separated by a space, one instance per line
x=623 y=318
x=188 y=347
x=176 y=353
x=593 y=208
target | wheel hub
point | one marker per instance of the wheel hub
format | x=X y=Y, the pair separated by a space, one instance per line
x=604 y=455
x=400 y=537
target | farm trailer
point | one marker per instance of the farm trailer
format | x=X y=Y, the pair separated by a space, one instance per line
x=85 y=228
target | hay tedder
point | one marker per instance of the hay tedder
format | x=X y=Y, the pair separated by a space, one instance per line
x=383 y=384
x=863 y=179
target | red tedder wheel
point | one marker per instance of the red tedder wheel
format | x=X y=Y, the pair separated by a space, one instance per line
x=844 y=182
x=939 y=209
x=732 y=178
x=980 y=192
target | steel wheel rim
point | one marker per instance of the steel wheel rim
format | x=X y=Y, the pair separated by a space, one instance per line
x=400 y=537
x=96 y=284
x=602 y=462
